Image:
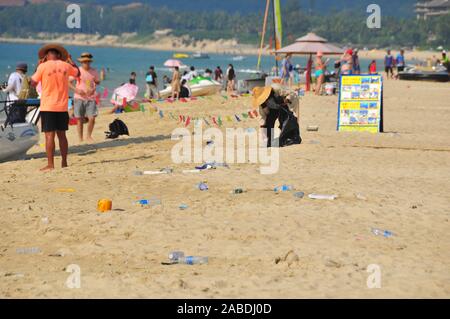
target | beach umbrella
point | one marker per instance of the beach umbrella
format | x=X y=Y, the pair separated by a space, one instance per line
x=310 y=44
x=127 y=92
x=171 y=63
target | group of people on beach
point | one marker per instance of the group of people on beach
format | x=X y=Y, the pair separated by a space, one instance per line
x=55 y=76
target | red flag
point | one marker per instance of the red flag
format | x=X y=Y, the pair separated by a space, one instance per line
x=105 y=93
x=124 y=102
x=188 y=121
x=97 y=99
x=180 y=119
x=214 y=121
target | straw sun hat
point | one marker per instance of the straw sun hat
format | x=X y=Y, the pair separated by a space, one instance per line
x=260 y=95
x=44 y=50
x=85 y=57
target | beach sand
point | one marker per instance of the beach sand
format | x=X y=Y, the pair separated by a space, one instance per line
x=401 y=178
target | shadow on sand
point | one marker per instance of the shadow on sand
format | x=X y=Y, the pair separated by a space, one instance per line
x=86 y=149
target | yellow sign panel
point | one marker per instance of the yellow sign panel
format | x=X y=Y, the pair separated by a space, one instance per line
x=360 y=103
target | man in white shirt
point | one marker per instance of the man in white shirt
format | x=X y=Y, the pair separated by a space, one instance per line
x=15 y=81
x=192 y=74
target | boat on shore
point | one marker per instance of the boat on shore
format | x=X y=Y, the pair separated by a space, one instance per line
x=420 y=74
x=17 y=138
x=200 y=86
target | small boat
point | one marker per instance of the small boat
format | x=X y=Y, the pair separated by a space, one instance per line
x=239 y=58
x=200 y=55
x=434 y=74
x=180 y=56
x=16 y=139
x=257 y=80
x=200 y=86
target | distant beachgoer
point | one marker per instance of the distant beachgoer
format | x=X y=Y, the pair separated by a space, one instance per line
x=400 y=61
x=231 y=78
x=218 y=74
x=185 y=91
x=176 y=86
x=102 y=74
x=285 y=71
x=15 y=81
x=320 y=72
x=389 y=64
x=191 y=74
x=151 y=79
x=54 y=69
x=347 y=62
x=166 y=81
x=132 y=78
x=373 y=67
x=356 y=65
x=85 y=105
x=445 y=61
x=208 y=73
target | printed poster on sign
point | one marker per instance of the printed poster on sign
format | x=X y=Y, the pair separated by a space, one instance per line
x=360 y=103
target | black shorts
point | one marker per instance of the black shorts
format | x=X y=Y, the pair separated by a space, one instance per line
x=54 y=121
x=389 y=69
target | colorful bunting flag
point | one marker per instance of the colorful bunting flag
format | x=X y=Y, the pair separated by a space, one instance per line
x=188 y=121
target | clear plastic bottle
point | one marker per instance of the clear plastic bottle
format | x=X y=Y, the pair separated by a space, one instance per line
x=174 y=256
x=193 y=260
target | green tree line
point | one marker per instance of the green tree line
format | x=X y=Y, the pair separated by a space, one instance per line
x=343 y=27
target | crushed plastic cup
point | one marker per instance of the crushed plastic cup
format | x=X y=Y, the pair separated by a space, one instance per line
x=183 y=207
x=299 y=194
x=203 y=186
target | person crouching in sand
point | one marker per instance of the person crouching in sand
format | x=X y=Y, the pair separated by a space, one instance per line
x=85 y=105
x=54 y=69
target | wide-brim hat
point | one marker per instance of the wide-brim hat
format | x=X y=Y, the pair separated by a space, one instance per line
x=260 y=95
x=53 y=46
x=85 y=57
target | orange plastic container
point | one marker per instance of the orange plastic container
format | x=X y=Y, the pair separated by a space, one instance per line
x=104 y=205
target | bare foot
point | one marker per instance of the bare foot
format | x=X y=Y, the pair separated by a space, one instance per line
x=90 y=139
x=47 y=168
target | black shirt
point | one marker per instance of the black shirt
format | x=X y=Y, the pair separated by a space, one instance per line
x=154 y=76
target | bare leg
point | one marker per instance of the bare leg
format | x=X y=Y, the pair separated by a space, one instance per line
x=50 y=149
x=90 y=128
x=80 y=125
x=63 y=147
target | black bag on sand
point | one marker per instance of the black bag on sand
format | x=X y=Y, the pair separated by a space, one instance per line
x=290 y=130
x=16 y=113
x=117 y=128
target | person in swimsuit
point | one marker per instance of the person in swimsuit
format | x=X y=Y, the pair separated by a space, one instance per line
x=347 y=62
x=176 y=85
x=320 y=72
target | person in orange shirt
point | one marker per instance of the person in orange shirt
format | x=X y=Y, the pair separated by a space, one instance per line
x=53 y=72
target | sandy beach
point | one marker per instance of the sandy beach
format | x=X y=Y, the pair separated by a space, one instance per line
x=260 y=244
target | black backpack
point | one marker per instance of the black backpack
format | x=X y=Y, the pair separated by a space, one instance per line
x=117 y=128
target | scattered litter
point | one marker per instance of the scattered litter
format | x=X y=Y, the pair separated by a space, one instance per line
x=14 y=274
x=312 y=128
x=322 y=196
x=360 y=196
x=149 y=202
x=44 y=220
x=203 y=186
x=65 y=190
x=160 y=172
x=183 y=207
x=380 y=232
x=205 y=167
x=299 y=194
x=104 y=205
x=283 y=188
x=237 y=191
x=175 y=255
x=28 y=250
